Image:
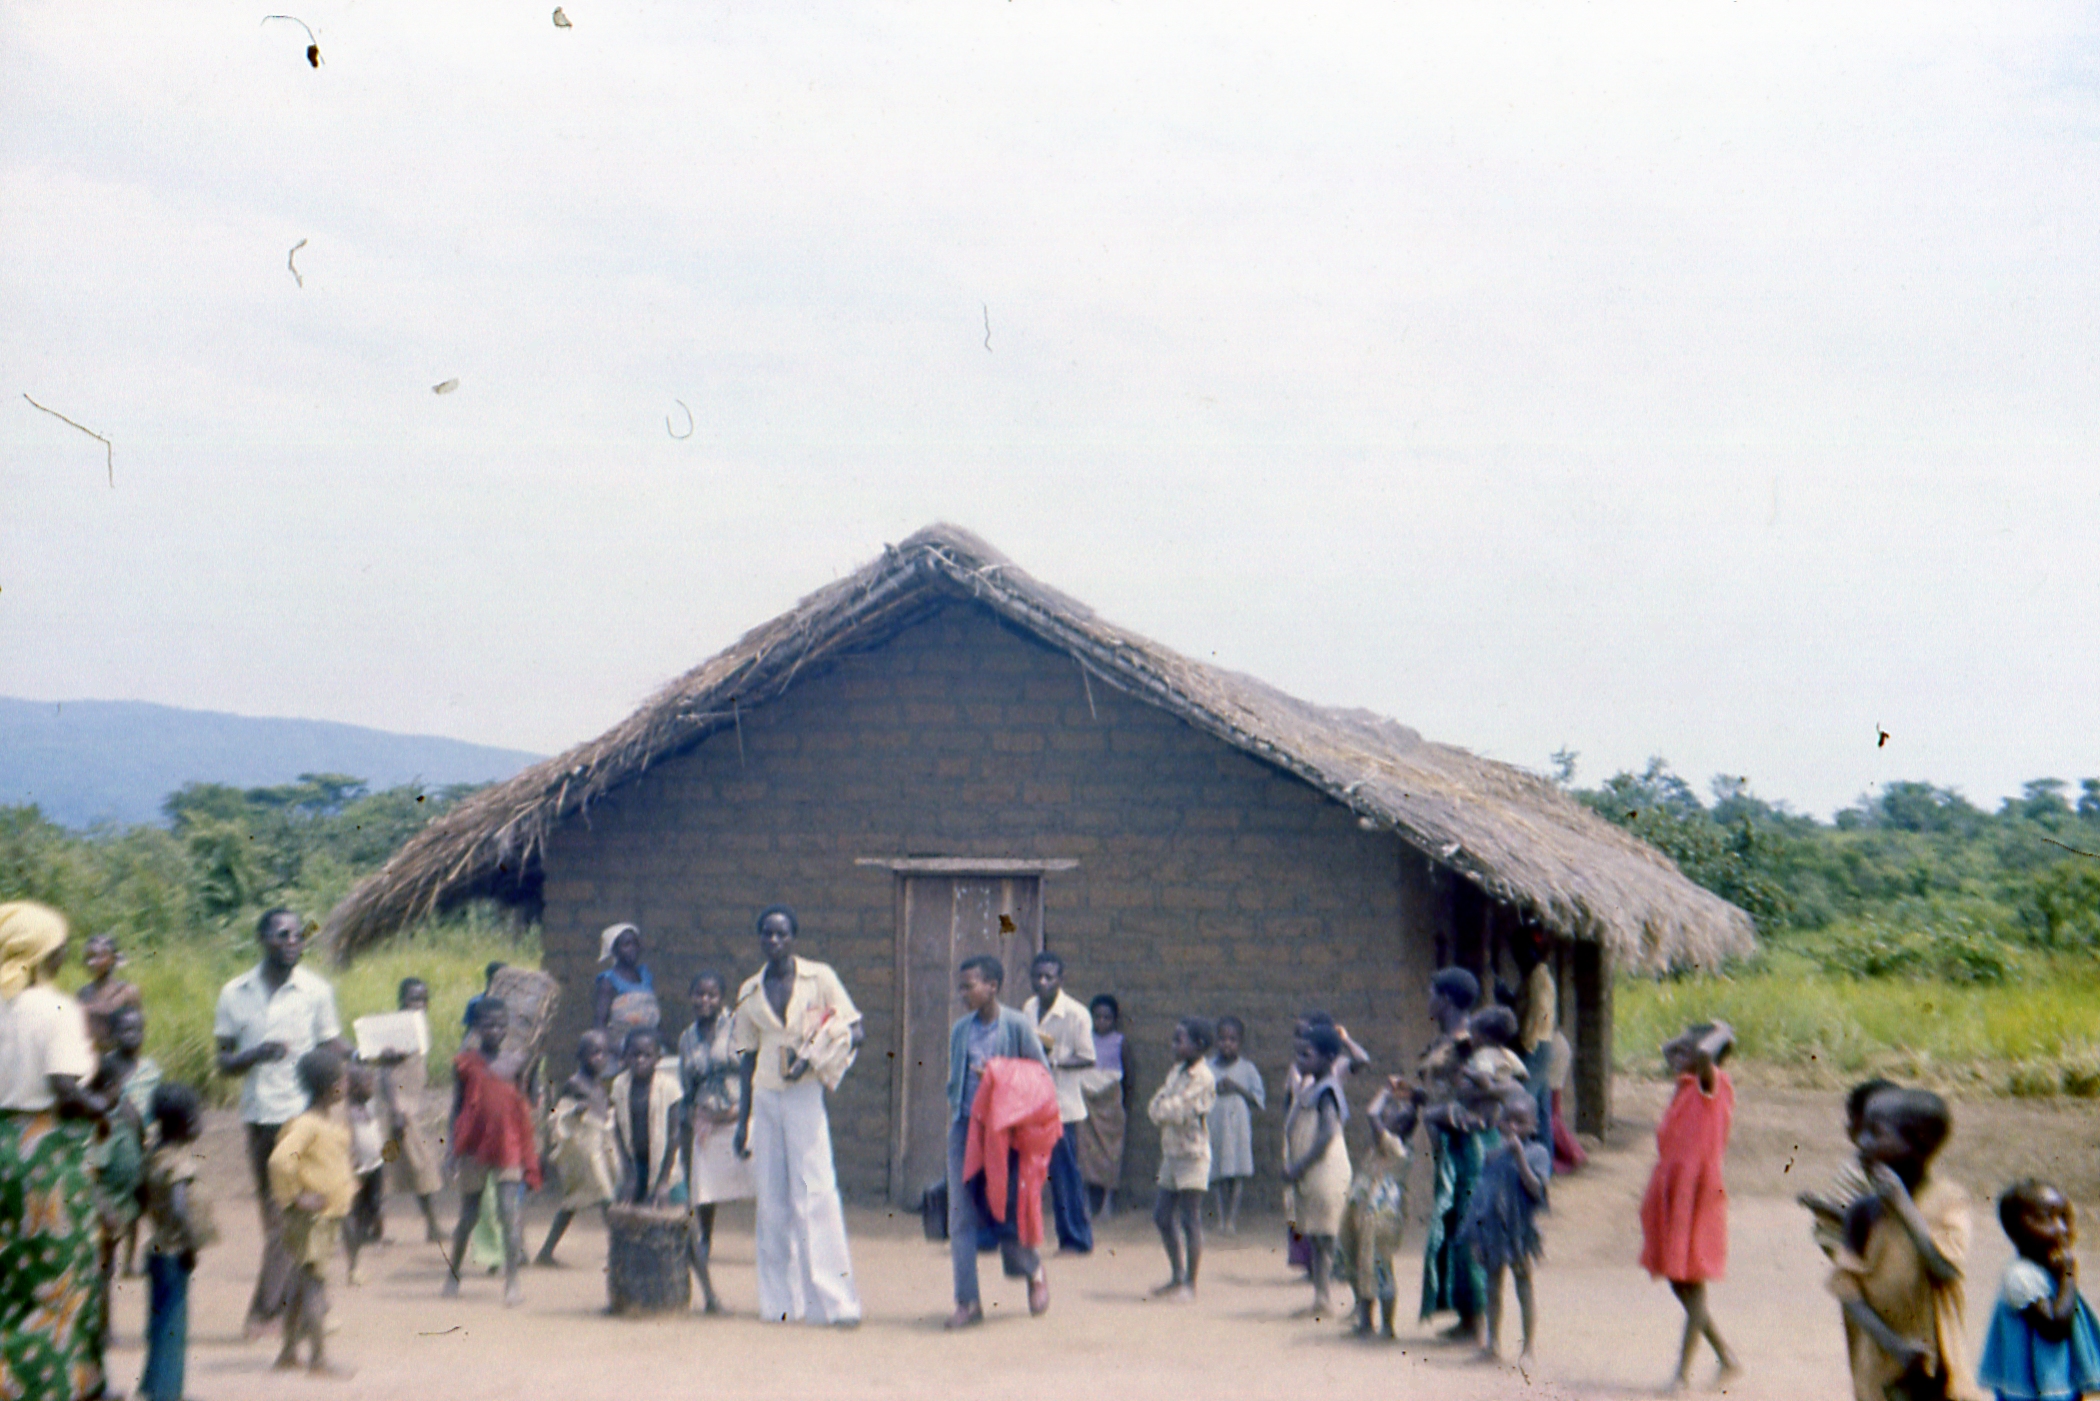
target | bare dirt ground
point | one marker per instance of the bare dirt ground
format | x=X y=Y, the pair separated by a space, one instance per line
x=1605 y=1330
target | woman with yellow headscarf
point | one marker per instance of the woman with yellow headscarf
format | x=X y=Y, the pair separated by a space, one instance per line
x=48 y=1266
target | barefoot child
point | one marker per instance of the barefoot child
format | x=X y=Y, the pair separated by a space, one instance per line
x=1315 y=1159
x=1899 y=1276
x=1106 y=1088
x=493 y=1142
x=1501 y=1227
x=1181 y=1108
x=1376 y=1213
x=2044 y=1344
x=1684 y=1216
x=181 y=1217
x=1232 y=1122
x=404 y=1085
x=713 y=1089
x=583 y=1149
x=310 y=1178
x=367 y=1162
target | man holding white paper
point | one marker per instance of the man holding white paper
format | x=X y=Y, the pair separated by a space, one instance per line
x=795 y=1034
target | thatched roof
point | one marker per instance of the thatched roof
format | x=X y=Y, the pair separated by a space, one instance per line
x=1509 y=832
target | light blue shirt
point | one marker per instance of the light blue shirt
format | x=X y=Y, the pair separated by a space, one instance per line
x=301 y=1014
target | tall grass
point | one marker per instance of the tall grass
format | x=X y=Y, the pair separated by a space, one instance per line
x=181 y=984
x=2040 y=1035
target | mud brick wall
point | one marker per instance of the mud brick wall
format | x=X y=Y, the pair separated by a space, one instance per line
x=1208 y=882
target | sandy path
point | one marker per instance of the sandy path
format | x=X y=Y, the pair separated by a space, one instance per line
x=1606 y=1330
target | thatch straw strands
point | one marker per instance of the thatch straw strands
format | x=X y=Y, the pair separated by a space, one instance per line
x=1509 y=832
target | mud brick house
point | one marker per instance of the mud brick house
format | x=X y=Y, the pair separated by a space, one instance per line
x=940 y=755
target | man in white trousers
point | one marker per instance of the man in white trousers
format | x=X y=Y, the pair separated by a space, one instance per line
x=795 y=1031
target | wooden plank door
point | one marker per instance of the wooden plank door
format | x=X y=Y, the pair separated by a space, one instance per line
x=942 y=920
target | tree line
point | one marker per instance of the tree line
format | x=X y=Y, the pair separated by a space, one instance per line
x=1912 y=880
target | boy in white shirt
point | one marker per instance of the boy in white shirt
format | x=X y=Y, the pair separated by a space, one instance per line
x=1066 y=1029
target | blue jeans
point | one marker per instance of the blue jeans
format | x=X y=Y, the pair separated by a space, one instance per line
x=167 y=1327
x=1075 y=1228
x=964 y=1221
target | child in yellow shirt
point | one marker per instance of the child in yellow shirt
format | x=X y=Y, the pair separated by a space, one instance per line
x=311 y=1179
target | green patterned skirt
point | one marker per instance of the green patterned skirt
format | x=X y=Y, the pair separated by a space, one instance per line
x=48 y=1264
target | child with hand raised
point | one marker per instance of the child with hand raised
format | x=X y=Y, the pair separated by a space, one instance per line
x=1376 y=1213
x=1501 y=1226
x=1899 y=1275
x=2043 y=1343
x=1684 y=1216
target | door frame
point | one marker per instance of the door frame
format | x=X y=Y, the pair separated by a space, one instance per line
x=902 y=869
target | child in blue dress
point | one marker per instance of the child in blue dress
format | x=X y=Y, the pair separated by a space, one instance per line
x=1501 y=1225
x=2044 y=1344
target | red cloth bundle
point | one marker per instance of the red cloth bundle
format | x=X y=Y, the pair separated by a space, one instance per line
x=1015 y=1112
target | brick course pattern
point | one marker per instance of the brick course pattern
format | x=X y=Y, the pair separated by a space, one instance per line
x=1208 y=882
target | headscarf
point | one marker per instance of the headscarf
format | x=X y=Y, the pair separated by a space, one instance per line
x=29 y=933
x=610 y=935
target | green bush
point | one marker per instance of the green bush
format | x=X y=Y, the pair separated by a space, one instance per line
x=1916 y=939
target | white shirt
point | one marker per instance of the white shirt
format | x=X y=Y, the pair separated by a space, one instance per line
x=816 y=997
x=301 y=1014
x=43 y=1033
x=1071 y=1029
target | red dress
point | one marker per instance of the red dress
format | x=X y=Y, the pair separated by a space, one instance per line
x=494 y=1127
x=1684 y=1217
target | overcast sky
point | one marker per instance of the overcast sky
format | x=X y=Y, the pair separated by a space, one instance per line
x=1713 y=381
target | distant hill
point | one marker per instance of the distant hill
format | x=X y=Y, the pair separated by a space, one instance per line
x=87 y=761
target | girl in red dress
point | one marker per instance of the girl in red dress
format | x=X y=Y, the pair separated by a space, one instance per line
x=1684 y=1216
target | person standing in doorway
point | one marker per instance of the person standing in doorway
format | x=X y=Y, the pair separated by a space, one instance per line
x=1066 y=1030
x=795 y=1032
x=268 y=1018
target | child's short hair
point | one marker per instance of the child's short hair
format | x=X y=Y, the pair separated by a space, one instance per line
x=1457 y=987
x=794 y=926
x=987 y=968
x=1198 y=1031
x=1239 y=1028
x=639 y=1035
x=588 y=1042
x=2021 y=1198
x=178 y=1111
x=361 y=1079
x=1517 y=1098
x=1856 y=1098
x=482 y=1006
x=1920 y=1117
x=409 y=985
x=488 y=974
x=1104 y=999
x=1324 y=1040
x=704 y=976
x=1047 y=959
x=319 y=1069
x=1495 y=1025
